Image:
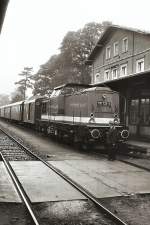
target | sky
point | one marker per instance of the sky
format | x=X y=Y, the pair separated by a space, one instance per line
x=34 y=29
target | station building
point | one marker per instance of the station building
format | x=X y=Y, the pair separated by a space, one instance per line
x=121 y=60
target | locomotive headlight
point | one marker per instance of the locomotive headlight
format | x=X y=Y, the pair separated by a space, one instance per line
x=95 y=133
x=116 y=119
x=124 y=134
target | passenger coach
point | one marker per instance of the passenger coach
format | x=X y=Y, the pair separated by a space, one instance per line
x=12 y=111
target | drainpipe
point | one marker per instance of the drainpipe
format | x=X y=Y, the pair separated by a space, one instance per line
x=133 y=54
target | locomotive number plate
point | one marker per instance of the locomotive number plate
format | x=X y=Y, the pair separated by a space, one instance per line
x=103 y=103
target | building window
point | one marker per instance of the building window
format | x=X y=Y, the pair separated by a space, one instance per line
x=134 y=111
x=114 y=73
x=125 y=45
x=140 y=65
x=145 y=111
x=107 y=75
x=123 y=70
x=97 y=78
x=108 y=52
x=116 y=48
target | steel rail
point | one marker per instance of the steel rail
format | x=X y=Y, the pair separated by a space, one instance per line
x=82 y=190
x=20 y=190
x=135 y=165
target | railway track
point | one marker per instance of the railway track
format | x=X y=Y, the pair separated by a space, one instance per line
x=11 y=149
x=134 y=164
x=25 y=198
x=21 y=191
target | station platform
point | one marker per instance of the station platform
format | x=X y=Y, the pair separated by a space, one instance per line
x=142 y=145
x=102 y=178
x=106 y=178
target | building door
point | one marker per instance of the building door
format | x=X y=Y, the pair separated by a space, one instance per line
x=134 y=115
x=139 y=115
x=144 y=116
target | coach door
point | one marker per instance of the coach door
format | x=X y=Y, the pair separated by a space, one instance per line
x=38 y=109
x=144 y=124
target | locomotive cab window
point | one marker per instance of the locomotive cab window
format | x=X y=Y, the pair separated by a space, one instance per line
x=68 y=91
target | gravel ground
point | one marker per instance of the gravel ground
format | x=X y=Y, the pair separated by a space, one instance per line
x=13 y=214
x=71 y=213
x=54 y=213
x=132 y=209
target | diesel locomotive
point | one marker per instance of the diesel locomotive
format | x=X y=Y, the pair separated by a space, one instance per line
x=76 y=112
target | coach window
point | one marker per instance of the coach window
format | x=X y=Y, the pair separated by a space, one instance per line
x=145 y=111
x=134 y=111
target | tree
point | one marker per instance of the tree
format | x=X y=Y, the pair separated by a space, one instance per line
x=42 y=84
x=69 y=64
x=42 y=81
x=4 y=99
x=26 y=81
x=17 y=95
x=75 y=48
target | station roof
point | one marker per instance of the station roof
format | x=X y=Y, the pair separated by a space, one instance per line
x=122 y=84
x=108 y=31
x=3 y=7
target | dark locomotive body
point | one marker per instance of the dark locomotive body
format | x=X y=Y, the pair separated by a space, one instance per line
x=75 y=112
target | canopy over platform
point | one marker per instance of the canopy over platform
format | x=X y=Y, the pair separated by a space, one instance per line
x=3 y=7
